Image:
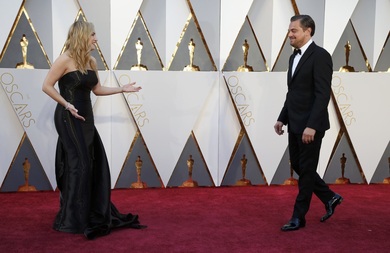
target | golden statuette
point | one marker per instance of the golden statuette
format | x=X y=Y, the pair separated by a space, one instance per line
x=347 y=68
x=291 y=180
x=245 y=67
x=26 y=171
x=342 y=179
x=191 y=51
x=139 y=184
x=24 y=64
x=139 y=67
x=243 y=181
x=190 y=182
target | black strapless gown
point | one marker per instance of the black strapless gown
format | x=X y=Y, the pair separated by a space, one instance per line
x=82 y=171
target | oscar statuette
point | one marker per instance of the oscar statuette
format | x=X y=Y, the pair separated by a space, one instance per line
x=342 y=179
x=26 y=170
x=245 y=67
x=243 y=181
x=387 y=179
x=191 y=51
x=190 y=182
x=139 y=184
x=347 y=68
x=24 y=64
x=291 y=180
x=139 y=67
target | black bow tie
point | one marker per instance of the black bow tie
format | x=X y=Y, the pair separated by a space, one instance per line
x=297 y=51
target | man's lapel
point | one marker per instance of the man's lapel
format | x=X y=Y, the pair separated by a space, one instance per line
x=290 y=63
x=304 y=57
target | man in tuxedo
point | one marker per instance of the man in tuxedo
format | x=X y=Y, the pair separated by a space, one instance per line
x=306 y=115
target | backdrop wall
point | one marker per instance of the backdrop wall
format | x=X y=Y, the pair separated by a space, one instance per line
x=215 y=115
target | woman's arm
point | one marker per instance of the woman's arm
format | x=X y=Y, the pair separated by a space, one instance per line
x=57 y=70
x=61 y=66
x=100 y=90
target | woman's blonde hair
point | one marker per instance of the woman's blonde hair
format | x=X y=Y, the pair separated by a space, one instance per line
x=77 y=45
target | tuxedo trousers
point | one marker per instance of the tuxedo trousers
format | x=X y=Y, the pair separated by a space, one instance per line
x=304 y=160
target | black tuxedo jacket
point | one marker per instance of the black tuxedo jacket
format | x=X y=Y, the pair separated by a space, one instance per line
x=309 y=89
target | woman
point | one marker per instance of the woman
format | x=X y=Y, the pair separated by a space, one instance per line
x=82 y=171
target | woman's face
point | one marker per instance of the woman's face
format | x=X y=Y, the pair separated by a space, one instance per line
x=92 y=41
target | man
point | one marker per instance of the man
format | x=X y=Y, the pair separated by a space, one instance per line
x=306 y=115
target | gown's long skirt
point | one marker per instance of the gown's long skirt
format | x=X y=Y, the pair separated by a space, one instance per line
x=82 y=171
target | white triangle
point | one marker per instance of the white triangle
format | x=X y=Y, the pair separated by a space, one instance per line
x=177 y=13
x=170 y=102
x=64 y=14
x=229 y=128
x=115 y=125
x=208 y=23
x=98 y=12
x=316 y=9
x=259 y=97
x=12 y=131
x=230 y=27
x=270 y=20
x=364 y=109
x=206 y=130
x=382 y=28
x=329 y=140
x=123 y=14
x=7 y=18
x=337 y=15
x=154 y=16
x=35 y=111
x=363 y=20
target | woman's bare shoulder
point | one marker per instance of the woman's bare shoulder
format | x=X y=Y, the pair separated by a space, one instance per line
x=65 y=62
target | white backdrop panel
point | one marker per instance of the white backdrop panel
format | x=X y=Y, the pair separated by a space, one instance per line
x=11 y=131
x=363 y=100
x=230 y=26
x=166 y=110
x=35 y=111
x=8 y=15
x=259 y=97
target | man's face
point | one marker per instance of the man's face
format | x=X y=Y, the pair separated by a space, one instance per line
x=298 y=37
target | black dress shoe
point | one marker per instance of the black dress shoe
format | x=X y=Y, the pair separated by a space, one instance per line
x=294 y=224
x=331 y=206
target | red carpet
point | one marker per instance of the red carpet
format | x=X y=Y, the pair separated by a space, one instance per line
x=225 y=219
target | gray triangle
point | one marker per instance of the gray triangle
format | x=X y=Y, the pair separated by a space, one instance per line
x=281 y=63
x=149 y=56
x=149 y=174
x=383 y=169
x=334 y=171
x=356 y=54
x=283 y=171
x=383 y=63
x=13 y=54
x=16 y=177
x=101 y=63
x=234 y=170
x=200 y=172
x=202 y=59
x=255 y=56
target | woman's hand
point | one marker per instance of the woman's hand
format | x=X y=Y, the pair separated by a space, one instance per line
x=130 y=87
x=74 y=111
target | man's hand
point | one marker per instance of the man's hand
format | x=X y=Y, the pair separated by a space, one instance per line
x=279 y=128
x=308 y=135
